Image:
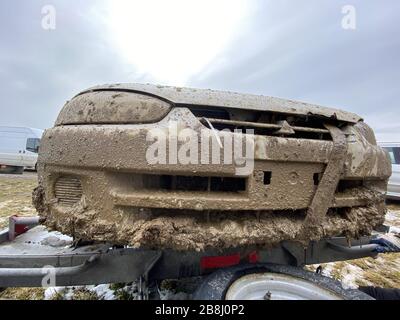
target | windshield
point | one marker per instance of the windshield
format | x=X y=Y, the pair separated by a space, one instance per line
x=32 y=145
x=394 y=154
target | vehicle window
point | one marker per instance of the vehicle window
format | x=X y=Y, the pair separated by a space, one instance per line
x=394 y=154
x=32 y=145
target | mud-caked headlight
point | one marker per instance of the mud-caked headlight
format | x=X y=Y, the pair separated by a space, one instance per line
x=112 y=107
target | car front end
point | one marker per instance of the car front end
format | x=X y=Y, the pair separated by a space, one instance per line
x=291 y=171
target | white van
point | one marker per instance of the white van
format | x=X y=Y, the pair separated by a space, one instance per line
x=393 y=148
x=19 y=148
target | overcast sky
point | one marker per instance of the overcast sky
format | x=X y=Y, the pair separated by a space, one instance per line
x=292 y=49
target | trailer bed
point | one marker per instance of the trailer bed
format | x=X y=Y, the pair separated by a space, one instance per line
x=27 y=258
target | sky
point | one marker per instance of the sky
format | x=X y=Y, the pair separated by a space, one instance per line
x=295 y=49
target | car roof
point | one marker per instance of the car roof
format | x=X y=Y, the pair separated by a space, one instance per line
x=389 y=144
x=33 y=131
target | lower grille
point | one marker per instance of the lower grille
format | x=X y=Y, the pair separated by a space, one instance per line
x=193 y=183
x=68 y=190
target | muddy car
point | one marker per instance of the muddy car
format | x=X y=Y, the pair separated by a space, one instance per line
x=129 y=164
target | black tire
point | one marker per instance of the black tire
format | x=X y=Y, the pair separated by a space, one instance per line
x=215 y=286
x=19 y=170
x=12 y=170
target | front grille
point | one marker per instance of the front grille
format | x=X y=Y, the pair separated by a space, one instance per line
x=265 y=123
x=345 y=185
x=68 y=190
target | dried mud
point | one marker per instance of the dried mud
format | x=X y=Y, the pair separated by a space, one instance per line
x=221 y=230
x=109 y=161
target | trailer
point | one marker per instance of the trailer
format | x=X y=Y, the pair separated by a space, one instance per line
x=30 y=255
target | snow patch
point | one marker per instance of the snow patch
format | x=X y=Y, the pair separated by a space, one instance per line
x=327 y=270
x=350 y=274
x=65 y=293
x=394 y=230
x=103 y=291
x=393 y=218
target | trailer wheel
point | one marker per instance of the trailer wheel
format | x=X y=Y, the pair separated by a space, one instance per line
x=272 y=282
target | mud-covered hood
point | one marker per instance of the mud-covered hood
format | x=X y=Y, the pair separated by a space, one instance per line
x=204 y=97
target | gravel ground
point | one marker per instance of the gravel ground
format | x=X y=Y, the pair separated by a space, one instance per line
x=15 y=198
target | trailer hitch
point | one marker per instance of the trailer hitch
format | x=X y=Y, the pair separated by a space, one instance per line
x=383 y=243
x=363 y=249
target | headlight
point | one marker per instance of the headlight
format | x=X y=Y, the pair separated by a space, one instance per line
x=112 y=107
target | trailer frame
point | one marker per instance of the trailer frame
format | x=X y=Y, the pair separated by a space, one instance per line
x=29 y=252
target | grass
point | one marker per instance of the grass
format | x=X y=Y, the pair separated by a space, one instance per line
x=84 y=294
x=16 y=196
x=337 y=271
x=22 y=294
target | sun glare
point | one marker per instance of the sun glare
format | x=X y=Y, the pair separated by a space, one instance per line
x=175 y=39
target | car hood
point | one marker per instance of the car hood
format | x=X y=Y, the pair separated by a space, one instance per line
x=204 y=97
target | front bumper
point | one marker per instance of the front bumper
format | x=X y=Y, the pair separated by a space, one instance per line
x=110 y=161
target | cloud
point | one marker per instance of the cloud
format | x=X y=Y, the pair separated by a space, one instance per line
x=301 y=52
x=40 y=70
x=290 y=49
x=172 y=40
